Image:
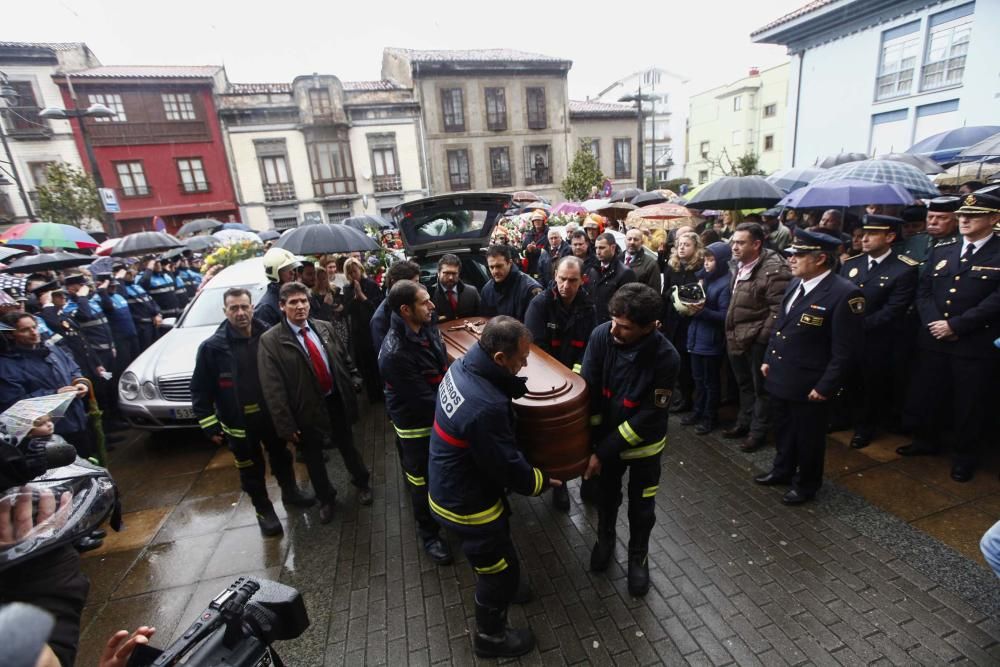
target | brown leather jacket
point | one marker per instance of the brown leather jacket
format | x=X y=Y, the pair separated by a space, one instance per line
x=753 y=308
x=288 y=381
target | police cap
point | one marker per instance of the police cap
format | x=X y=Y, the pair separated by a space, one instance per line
x=807 y=241
x=881 y=223
x=914 y=213
x=75 y=279
x=51 y=286
x=944 y=204
x=979 y=203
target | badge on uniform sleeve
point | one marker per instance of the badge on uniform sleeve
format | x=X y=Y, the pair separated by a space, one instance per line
x=857 y=305
x=940 y=265
x=661 y=398
x=853 y=272
x=535 y=291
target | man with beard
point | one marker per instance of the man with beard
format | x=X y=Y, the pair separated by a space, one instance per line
x=452 y=297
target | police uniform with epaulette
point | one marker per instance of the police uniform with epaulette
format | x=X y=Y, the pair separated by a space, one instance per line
x=958 y=299
x=888 y=282
x=815 y=342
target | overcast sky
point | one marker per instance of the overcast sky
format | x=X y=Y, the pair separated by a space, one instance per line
x=706 y=40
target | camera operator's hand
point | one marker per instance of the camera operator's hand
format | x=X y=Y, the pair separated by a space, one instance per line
x=16 y=520
x=120 y=646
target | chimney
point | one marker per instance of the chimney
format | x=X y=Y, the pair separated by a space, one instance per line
x=755 y=71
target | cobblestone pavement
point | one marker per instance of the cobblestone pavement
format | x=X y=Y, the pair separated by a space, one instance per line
x=737 y=577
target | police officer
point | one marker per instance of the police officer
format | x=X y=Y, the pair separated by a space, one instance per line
x=412 y=363
x=159 y=284
x=630 y=368
x=145 y=313
x=170 y=262
x=942 y=224
x=62 y=330
x=888 y=282
x=123 y=331
x=189 y=276
x=474 y=460
x=561 y=320
x=815 y=341
x=280 y=267
x=228 y=401
x=958 y=299
x=510 y=290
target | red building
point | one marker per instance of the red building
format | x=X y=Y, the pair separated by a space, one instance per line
x=163 y=151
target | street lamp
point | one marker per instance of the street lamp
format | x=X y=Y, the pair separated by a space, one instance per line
x=9 y=96
x=639 y=98
x=93 y=111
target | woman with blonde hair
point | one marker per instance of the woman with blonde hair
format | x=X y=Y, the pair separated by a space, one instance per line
x=362 y=296
x=729 y=221
x=686 y=260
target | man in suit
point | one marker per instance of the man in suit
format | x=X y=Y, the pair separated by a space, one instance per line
x=816 y=338
x=888 y=282
x=453 y=298
x=557 y=249
x=958 y=299
x=309 y=384
x=646 y=269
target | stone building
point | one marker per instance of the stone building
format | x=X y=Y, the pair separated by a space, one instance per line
x=321 y=150
x=609 y=130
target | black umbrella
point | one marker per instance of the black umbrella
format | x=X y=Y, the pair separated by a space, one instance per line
x=840 y=158
x=202 y=243
x=650 y=198
x=47 y=262
x=363 y=222
x=145 y=243
x=6 y=253
x=269 y=235
x=325 y=238
x=732 y=193
x=200 y=225
x=626 y=195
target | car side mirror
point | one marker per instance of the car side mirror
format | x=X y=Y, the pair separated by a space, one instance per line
x=168 y=323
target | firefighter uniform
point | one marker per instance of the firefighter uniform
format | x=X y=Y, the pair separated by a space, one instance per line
x=888 y=285
x=227 y=400
x=474 y=460
x=560 y=330
x=630 y=388
x=510 y=297
x=144 y=311
x=412 y=366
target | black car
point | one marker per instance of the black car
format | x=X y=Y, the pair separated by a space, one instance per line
x=460 y=224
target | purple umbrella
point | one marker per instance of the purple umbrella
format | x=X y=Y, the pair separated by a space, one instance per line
x=842 y=194
x=569 y=208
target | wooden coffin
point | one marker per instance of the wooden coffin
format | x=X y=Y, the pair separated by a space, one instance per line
x=553 y=418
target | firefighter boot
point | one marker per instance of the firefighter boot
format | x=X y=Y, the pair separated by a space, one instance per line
x=604 y=548
x=638 y=566
x=493 y=639
x=268 y=521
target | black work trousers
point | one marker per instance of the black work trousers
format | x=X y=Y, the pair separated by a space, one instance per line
x=51 y=581
x=147 y=335
x=493 y=557
x=413 y=456
x=643 y=481
x=800 y=438
x=960 y=387
x=249 y=459
x=314 y=441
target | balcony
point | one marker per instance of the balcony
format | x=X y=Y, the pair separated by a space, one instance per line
x=154 y=132
x=279 y=192
x=389 y=183
x=538 y=176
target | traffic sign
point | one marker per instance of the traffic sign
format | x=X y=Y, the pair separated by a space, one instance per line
x=110 y=200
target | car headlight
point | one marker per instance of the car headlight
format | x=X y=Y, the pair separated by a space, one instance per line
x=148 y=390
x=128 y=386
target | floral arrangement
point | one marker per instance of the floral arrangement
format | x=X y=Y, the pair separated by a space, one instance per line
x=563 y=219
x=515 y=226
x=376 y=262
x=231 y=254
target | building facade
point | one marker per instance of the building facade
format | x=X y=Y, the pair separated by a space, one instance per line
x=321 y=150
x=490 y=120
x=742 y=118
x=610 y=131
x=665 y=110
x=162 y=152
x=34 y=142
x=876 y=77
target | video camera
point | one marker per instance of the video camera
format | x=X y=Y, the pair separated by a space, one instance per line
x=22 y=462
x=236 y=630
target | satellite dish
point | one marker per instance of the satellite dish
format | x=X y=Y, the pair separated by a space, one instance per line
x=366 y=174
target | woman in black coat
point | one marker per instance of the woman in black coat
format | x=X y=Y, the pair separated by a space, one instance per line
x=362 y=296
x=686 y=260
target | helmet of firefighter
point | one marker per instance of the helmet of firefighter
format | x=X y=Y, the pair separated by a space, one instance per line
x=277 y=260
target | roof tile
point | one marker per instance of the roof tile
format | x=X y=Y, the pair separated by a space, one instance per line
x=791 y=16
x=148 y=72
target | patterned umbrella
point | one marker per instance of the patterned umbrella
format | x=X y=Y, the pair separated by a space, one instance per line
x=882 y=171
x=794 y=178
x=847 y=193
x=736 y=193
x=924 y=164
x=49 y=235
x=569 y=208
x=12 y=282
x=663 y=212
x=839 y=159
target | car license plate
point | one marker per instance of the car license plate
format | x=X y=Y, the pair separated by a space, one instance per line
x=182 y=413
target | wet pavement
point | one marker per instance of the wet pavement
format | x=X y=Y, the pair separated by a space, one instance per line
x=883 y=569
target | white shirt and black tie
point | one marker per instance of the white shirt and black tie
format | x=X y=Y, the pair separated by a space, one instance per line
x=969 y=248
x=805 y=287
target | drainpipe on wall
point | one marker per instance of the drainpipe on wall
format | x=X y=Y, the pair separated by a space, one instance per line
x=798 y=97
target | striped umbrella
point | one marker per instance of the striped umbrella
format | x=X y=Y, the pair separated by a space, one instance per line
x=794 y=178
x=569 y=208
x=49 y=235
x=882 y=171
